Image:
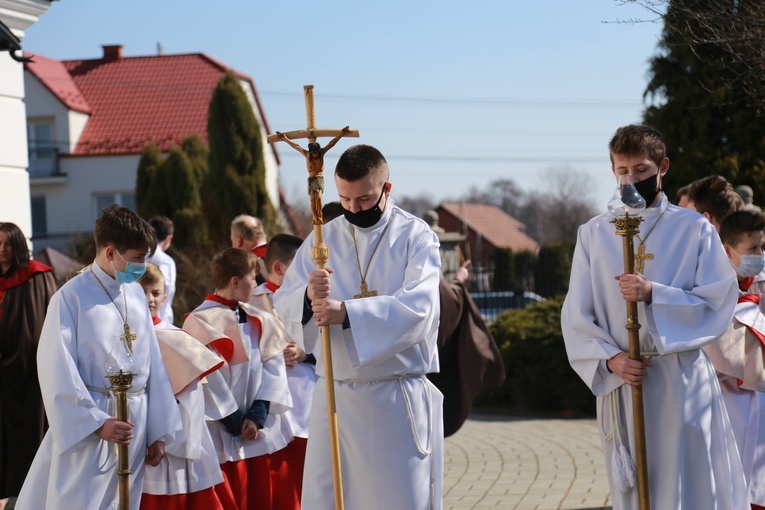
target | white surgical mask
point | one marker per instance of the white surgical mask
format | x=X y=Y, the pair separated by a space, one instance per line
x=749 y=265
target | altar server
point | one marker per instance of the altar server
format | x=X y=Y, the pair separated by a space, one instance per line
x=92 y=321
x=379 y=297
x=686 y=294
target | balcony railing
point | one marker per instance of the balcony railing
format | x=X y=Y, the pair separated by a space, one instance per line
x=43 y=161
x=68 y=243
x=492 y=304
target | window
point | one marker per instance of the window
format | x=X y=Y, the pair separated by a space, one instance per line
x=39 y=217
x=103 y=199
x=43 y=155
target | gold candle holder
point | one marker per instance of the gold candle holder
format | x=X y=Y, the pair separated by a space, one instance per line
x=628 y=227
x=121 y=382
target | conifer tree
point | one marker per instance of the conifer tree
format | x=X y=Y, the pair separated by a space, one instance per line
x=236 y=181
x=504 y=269
x=553 y=268
x=151 y=160
x=702 y=109
x=172 y=188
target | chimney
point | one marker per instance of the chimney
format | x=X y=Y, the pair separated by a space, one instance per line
x=112 y=52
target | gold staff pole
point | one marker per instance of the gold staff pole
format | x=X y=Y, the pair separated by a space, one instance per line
x=121 y=383
x=628 y=227
x=320 y=254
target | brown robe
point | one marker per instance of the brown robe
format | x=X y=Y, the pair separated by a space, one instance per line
x=22 y=415
x=469 y=357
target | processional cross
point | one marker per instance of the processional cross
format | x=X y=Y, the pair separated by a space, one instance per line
x=314 y=158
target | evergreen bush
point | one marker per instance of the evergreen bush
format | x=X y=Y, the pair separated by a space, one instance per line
x=504 y=269
x=539 y=377
x=553 y=268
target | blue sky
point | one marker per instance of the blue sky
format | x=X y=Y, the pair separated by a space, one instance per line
x=455 y=94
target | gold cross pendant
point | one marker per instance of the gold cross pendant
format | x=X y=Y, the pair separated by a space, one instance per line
x=640 y=257
x=128 y=337
x=365 y=292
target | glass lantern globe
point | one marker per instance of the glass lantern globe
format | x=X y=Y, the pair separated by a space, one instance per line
x=120 y=358
x=626 y=201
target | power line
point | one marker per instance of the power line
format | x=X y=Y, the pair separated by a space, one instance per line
x=468 y=100
x=461 y=131
x=478 y=159
x=136 y=85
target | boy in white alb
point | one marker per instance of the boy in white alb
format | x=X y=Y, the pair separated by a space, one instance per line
x=164 y=228
x=685 y=295
x=185 y=478
x=739 y=355
x=254 y=375
x=93 y=321
x=287 y=464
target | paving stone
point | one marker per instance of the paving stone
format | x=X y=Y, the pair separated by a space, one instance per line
x=525 y=464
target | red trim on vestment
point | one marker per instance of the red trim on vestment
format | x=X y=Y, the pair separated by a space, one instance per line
x=155 y=319
x=256 y=326
x=225 y=347
x=746 y=283
x=749 y=298
x=752 y=298
x=272 y=286
x=759 y=335
x=213 y=369
x=231 y=303
x=260 y=251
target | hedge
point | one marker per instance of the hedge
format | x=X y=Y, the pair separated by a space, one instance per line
x=539 y=377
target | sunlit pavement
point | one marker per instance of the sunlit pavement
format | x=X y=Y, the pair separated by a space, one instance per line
x=516 y=463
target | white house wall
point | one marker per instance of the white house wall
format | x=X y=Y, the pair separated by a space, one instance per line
x=272 y=168
x=77 y=121
x=42 y=104
x=17 y=15
x=71 y=207
x=14 y=180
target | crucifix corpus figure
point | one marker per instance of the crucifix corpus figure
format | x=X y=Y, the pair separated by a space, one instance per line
x=314 y=160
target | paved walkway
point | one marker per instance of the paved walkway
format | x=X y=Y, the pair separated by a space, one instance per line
x=516 y=463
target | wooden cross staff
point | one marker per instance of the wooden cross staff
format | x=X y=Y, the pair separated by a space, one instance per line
x=314 y=158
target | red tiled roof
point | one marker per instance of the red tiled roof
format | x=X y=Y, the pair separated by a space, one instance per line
x=494 y=225
x=54 y=76
x=162 y=98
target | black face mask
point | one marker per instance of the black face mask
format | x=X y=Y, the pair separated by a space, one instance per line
x=649 y=189
x=364 y=219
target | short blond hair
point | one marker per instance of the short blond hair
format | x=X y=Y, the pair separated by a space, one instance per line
x=152 y=275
